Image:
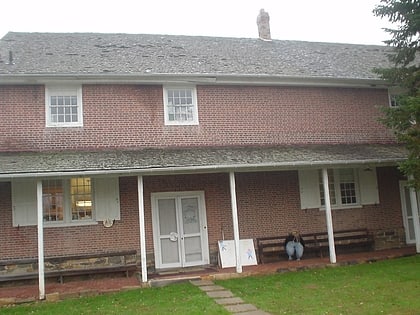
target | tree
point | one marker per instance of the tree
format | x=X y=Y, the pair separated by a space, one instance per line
x=404 y=119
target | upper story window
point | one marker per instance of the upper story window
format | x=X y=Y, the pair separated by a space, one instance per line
x=63 y=106
x=180 y=106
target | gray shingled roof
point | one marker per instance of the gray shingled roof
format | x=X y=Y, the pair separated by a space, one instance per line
x=204 y=159
x=147 y=55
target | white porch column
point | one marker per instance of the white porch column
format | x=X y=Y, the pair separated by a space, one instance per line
x=328 y=215
x=415 y=211
x=235 y=221
x=142 y=230
x=40 y=225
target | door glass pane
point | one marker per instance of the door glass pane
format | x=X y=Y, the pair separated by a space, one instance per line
x=167 y=216
x=408 y=202
x=193 y=250
x=190 y=215
x=169 y=251
x=411 y=229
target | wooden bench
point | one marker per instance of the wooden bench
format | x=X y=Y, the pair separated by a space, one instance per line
x=346 y=241
x=274 y=246
x=120 y=265
x=317 y=243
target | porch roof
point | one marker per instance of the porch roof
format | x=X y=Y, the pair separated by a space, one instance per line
x=150 y=161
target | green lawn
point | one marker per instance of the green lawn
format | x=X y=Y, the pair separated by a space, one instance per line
x=177 y=299
x=385 y=287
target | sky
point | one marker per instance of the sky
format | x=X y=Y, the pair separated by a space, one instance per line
x=340 y=21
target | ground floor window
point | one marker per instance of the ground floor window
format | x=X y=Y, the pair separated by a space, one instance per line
x=67 y=200
x=342 y=186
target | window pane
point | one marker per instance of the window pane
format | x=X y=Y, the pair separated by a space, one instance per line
x=180 y=105
x=52 y=200
x=347 y=187
x=331 y=188
x=64 y=109
x=81 y=198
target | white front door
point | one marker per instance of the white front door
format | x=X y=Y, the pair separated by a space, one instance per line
x=179 y=229
x=407 y=212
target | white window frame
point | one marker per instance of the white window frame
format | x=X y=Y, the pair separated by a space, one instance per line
x=194 y=120
x=337 y=190
x=366 y=186
x=53 y=90
x=67 y=210
x=105 y=202
x=393 y=101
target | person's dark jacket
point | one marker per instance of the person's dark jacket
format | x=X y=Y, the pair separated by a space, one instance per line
x=296 y=238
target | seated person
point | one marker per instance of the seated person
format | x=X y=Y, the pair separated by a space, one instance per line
x=294 y=245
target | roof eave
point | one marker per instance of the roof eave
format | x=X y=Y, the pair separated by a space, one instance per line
x=204 y=169
x=201 y=79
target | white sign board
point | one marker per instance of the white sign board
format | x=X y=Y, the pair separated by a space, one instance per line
x=227 y=253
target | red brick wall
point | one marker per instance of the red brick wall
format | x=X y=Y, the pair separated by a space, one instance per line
x=132 y=116
x=21 y=242
x=268 y=204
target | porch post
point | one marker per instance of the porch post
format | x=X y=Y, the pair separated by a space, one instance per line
x=328 y=215
x=235 y=221
x=142 y=230
x=40 y=225
x=415 y=211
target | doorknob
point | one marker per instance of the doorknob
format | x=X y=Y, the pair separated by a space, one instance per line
x=173 y=236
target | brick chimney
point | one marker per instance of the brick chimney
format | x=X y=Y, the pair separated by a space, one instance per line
x=263 y=22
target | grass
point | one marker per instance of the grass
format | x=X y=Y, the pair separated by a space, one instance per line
x=385 y=287
x=182 y=298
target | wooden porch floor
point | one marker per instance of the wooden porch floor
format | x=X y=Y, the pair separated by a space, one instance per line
x=15 y=293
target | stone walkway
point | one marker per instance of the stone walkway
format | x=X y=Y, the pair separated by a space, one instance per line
x=224 y=297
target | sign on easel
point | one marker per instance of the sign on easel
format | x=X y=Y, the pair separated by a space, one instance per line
x=227 y=253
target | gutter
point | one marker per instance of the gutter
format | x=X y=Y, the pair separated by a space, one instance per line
x=199 y=79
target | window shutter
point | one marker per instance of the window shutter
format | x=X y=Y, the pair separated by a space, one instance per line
x=369 y=194
x=309 y=189
x=107 y=199
x=24 y=203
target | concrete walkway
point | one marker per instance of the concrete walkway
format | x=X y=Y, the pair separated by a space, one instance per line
x=222 y=296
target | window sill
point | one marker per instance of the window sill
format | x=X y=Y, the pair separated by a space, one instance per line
x=69 y=224
x=343 y=207
x=78 y=125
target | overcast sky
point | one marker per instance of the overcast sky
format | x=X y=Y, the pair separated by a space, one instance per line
x=344 y=21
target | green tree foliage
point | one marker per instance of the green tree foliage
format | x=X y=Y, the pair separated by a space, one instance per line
x=404 y=119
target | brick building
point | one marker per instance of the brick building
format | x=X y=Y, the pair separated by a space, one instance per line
x=167 y=144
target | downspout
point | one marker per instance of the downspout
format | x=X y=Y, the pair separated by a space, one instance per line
x=328 y=215
x=142 y=230
x=235 y=221
x=415 y=211
x=41 y=271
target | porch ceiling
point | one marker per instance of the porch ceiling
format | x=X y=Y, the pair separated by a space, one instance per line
x=186 y=160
